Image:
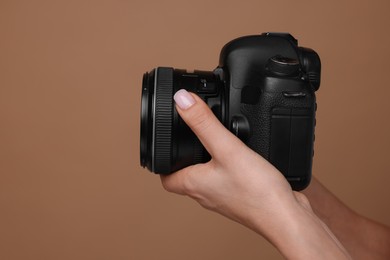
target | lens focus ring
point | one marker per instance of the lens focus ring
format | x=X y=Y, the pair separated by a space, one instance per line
x=163 y=120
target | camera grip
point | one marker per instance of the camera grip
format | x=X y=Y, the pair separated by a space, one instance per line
x=282 y=131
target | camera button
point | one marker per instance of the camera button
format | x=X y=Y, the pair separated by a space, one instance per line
x=206 y=87
x=283 y=66
x=240 y=127
x=294 y=94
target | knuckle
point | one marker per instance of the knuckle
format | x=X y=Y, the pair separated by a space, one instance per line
x=181 y=182
x=303 y=200
x=188 y=185
x=167 y=185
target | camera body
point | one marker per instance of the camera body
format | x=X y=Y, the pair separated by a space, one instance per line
x=263 y=91
x=272 y=104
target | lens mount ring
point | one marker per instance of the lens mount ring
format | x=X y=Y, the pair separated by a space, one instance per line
x=163 y=111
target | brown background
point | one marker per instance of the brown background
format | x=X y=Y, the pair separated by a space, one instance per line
x=70 y=80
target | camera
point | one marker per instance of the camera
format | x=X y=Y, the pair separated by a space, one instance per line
x=263 y=91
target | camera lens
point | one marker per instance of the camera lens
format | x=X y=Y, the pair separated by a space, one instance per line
x=167 y=144
x=147 y=114
x=156 y=119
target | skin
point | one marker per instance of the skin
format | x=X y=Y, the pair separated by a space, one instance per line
x=249 y=190
x=362 y=237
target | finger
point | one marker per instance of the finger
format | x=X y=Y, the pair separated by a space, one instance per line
x=183 y=182
x=217 y=140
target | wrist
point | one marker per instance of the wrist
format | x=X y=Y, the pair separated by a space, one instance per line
x=297 y=232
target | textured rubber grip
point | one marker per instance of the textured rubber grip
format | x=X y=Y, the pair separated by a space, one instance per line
x=163 y=120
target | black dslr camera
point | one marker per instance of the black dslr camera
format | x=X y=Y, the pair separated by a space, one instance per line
x=262 y=91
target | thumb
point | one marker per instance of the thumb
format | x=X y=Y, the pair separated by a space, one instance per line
x=217 y=140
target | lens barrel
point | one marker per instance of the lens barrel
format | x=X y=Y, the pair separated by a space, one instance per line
x=156 y=120
x=167 y=143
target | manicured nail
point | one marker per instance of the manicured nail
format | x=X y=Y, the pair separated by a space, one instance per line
x=183 y=99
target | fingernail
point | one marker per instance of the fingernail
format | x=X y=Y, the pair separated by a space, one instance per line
x=183 y=99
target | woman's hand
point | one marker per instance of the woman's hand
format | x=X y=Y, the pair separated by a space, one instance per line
x=241 y=185
x=235 y=175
